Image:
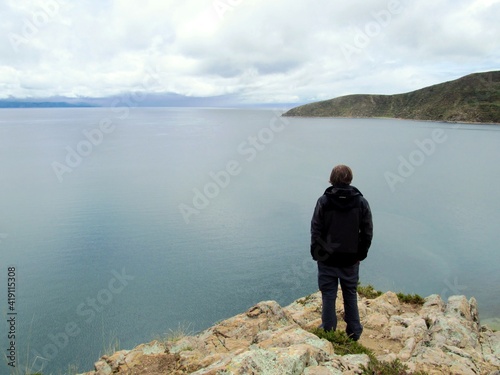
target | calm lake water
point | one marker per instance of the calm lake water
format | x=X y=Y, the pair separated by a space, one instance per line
x=123 y=225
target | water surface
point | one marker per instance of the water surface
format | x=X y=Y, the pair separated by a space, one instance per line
x=103 y=252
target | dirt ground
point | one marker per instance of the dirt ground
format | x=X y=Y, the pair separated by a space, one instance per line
x=376 y=340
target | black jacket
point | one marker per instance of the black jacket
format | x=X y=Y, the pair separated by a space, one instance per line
x=341 y=227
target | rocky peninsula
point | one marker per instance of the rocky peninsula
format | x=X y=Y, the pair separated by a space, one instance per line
x=474 y=98
x=436 y=337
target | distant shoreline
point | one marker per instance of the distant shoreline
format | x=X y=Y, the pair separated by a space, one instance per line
x=393 y=118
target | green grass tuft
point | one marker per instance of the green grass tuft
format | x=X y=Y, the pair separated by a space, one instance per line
x=111 y=347
x=174 y=335
x=342 y=343
x=305 y=300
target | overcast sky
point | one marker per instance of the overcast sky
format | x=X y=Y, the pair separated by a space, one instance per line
x=259 y=51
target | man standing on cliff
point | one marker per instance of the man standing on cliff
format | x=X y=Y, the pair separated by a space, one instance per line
x=341 y=234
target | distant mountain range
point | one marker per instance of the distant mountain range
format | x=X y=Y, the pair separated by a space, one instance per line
x=136 y=99
x=474 y=98
x=41 y=104
x=129 y=99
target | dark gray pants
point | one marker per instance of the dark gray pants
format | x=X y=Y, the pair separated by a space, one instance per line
x=328 y=280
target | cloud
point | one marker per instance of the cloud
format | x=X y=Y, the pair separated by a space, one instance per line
x=258 y=51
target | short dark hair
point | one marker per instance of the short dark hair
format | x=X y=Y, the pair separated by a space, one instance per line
x=341 y=174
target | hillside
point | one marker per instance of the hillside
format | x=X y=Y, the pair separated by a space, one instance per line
x=474 y=98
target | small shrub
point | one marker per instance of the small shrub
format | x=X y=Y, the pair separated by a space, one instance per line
x=368 y=291
x=396 y=367
x=376 y=367
x=414 y=299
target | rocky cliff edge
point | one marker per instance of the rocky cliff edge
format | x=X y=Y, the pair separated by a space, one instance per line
x=438 y=338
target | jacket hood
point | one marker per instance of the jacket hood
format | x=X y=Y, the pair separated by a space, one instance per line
x=343 y=197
